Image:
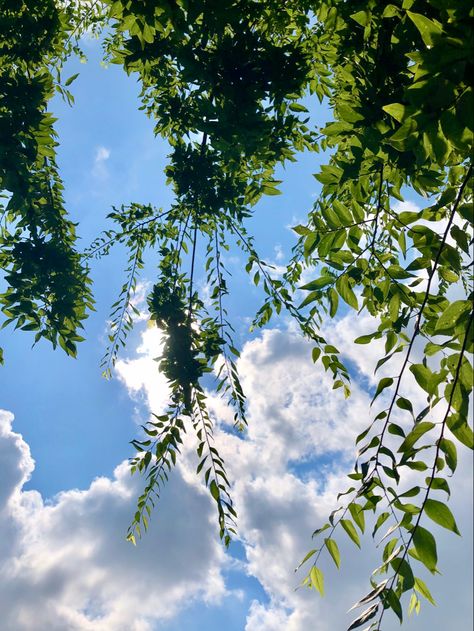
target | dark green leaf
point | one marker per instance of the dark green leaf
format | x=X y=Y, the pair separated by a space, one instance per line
x=384 y=383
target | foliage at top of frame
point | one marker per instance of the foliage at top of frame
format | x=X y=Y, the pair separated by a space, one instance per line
x=224 y=82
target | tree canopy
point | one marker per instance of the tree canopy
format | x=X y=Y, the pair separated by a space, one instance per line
x=224 y=83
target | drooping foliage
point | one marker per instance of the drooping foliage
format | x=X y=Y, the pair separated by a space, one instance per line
x=402 y=105
x=48 y=290
x=223 y=82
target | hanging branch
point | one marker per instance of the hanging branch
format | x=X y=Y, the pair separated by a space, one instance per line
x=97 y=246
x=215 y=476
x=431 y=478
x=416 y=329
x=164 y=447
x=122 y=323
x=238 y=396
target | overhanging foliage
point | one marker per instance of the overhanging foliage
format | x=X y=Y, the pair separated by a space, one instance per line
x=224 y=82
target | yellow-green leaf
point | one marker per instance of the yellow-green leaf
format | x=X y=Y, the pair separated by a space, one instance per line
x=331 y=545
x=430 y=31
x=351 y=531
x=317 y=579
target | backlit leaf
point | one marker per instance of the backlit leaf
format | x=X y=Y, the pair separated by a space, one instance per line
x=317 y=579
x=425 y=546
x=333 y=551
x=441 y=514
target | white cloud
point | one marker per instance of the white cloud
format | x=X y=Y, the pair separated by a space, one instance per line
x=66 y=565
x=141 y=374
x=139 y=301
x=296 y=418
x=279 y=254
x=406 y=206
x=102 y=154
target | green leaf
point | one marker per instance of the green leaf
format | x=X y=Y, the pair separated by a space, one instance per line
x=418 y=465
x=384 y=383
x=333 y=302
x=422 y=589
x=365 y=339
x=214 y=490
x=430 y=31
x=301 y=230
x=450 y=451
x=425 y=546
x=414 y=604
x=333 y=129
x=331 y=545
x=351 y=531
x=404 y=404
x=345 y=291
x=270 y=190
x=439 y=484
x=394 y=307
x=441 y=515
x=317 y=579
x=319 y=283
x=361 y=17
x=451 y=316
x=318 y=531
x=382 y=518
x=432 y=349
x=396 y=111
x=357 y=514
x=297 y=107
x=415 y=434
x=403 y=569
x=391 y=11
x=423 y=376
x=71 y=79
x=343 y=213
x=396 y=430
x=308 y=556
x=394 y=602
x=459 y=427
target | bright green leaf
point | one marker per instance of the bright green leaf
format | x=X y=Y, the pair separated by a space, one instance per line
x=425 y=546
x=441 y=515
x=317 y=579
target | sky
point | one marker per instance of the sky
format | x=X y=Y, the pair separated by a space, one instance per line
x=66 y=494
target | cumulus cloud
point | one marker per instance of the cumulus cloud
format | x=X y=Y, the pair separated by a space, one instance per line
x=287 y=472
x=66 y=565
x=141 y=375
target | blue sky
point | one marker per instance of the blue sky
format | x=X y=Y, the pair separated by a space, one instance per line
x=66 y=492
